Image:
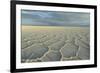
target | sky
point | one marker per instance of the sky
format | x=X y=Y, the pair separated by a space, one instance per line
x=54 y=18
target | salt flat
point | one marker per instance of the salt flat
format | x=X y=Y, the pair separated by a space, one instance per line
x=50 y=43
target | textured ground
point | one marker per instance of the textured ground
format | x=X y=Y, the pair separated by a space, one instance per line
x=41 y=44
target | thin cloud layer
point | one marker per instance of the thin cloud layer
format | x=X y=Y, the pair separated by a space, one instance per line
x=53 y=18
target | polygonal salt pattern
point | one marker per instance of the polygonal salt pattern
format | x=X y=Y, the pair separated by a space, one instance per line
x=34 y=51
x=69 y=50
x=52 y=56
x=55 y=45
x=84 y=53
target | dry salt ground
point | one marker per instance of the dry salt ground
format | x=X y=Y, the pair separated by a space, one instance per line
x=50 y=44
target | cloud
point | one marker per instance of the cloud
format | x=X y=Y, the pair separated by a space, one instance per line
x=53 y=18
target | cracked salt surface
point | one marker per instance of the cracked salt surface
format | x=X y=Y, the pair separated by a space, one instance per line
x=51 y=56
x=55 y=45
